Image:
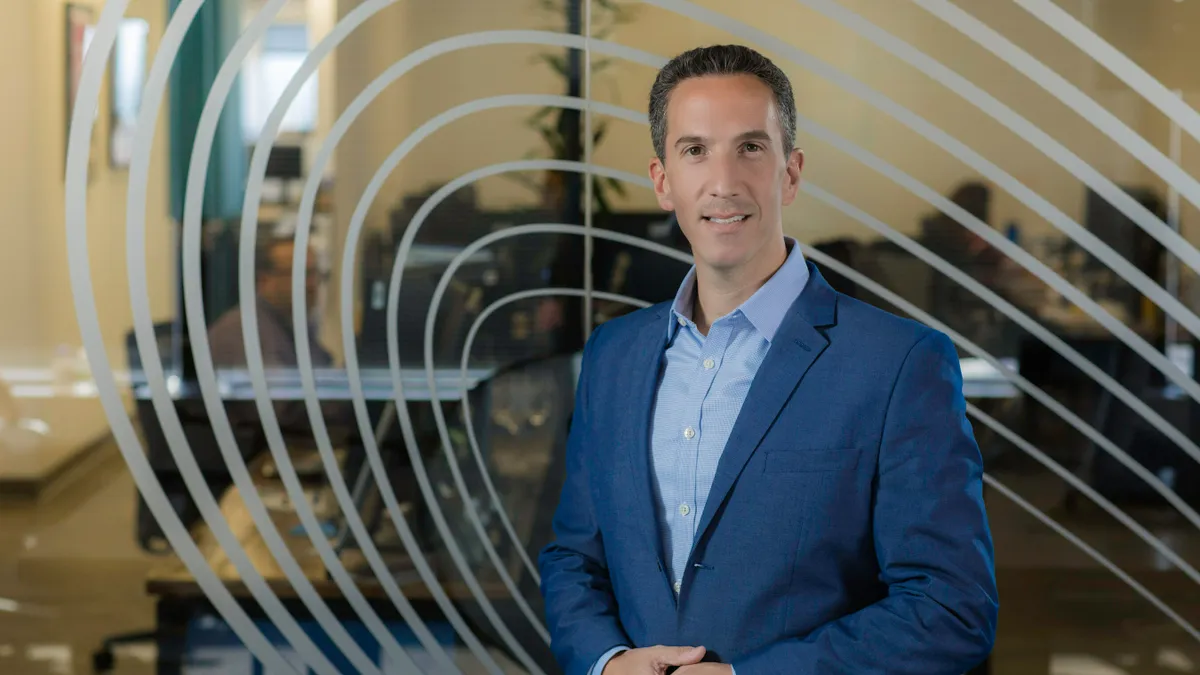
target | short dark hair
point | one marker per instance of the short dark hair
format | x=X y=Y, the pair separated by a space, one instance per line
x=264 y=254
x=720 y=60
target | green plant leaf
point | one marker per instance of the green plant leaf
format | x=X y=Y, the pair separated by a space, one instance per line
x=556 y=143
x=598 y=132
x=556 y=61
x=524 y=179
x=601 y=199
x=540 y=115
x=615 y=185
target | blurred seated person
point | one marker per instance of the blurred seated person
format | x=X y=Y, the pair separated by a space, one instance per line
x=959 y=246
x=273 y=288
x=949 y=300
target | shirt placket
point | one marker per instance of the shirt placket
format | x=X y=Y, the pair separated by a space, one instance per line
x=688 y=511
x=712 y=353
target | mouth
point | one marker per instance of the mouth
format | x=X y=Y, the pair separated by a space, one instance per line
x=726 y=219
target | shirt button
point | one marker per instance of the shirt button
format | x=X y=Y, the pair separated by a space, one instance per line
x=684 y=509
x=682 y=321
x=709 y=363
x=689 y=433
x=678 y=585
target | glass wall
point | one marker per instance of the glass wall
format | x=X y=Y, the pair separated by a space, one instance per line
x=298 y=290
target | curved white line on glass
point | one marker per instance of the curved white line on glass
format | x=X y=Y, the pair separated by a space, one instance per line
x=270 y=423
x=79 y=268
x=936 y=136
x=959 y=214
x=410 y=233
x=1035 y=266
x=1043 y=142
x=1115 y=62
x=1032 y=390
x=430 y=321
x=394 y=345
x=1062 y=472
x=440 y=195
x=355 y=228
x=472 y=439
x=993 y=172
x=1096 y=555
x=206 y=376
x=1015 y=252
x=164 y=407
x=310 y=188
x=337 y=132
x=1048 y=338
x=1070 y=417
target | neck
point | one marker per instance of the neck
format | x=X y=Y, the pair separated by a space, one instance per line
x=720 y=291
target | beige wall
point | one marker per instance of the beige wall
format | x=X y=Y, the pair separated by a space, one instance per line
x=1138 y=28
x=33 y=258
x=106 y=200
x=39 y=309
x=37 y=305
x=451 y=80
x=19 y=336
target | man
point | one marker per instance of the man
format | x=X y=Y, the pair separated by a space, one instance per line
x=273 y=287
x=763 y=476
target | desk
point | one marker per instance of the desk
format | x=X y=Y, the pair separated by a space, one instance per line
x=332 y=384
x=188 y=626
x=236 y=390
x=982 y=380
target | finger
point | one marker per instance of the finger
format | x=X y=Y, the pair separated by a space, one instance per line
x=680 y=656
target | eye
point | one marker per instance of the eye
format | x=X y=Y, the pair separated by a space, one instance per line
x=693 y=151
x=752 y=147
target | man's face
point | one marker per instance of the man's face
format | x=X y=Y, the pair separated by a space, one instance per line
x=275 y=284
x=725 y=172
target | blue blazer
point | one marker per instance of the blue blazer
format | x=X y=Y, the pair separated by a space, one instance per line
x=845 y=531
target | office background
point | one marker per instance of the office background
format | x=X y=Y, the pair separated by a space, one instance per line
x=1018 y=173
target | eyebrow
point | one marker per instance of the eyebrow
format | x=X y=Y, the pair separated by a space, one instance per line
x=754 y=135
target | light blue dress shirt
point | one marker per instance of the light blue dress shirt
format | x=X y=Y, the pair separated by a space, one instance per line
x=702 y=384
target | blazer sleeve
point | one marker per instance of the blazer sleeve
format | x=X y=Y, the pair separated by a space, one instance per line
x=932 y=541
x=581 y=611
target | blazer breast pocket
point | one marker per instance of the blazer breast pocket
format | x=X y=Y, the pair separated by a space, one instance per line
x=810 y=461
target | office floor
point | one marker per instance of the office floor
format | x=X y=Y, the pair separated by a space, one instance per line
x=70 y=574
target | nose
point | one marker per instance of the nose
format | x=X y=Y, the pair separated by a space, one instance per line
x=724 y=181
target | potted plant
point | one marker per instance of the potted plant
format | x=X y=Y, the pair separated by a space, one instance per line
x=562 y=130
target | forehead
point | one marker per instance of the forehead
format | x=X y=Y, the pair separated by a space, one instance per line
x=281 y=254
x=721 y=105
x=282 y=251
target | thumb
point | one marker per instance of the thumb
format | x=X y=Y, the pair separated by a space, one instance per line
x=681 y=656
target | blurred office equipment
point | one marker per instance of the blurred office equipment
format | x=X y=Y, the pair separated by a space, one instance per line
x=1132 y=243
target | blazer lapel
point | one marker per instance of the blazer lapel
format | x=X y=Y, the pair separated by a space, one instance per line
x=796 y=346
x=639 y=383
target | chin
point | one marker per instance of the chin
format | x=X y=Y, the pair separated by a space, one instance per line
x=721 y=258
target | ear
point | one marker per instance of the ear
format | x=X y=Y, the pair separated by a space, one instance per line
x=662 y=187
x=791 y=185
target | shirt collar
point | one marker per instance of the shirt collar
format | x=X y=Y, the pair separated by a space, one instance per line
x=765 y=309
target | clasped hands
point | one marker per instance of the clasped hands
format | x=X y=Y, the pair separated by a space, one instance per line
x=659 y=660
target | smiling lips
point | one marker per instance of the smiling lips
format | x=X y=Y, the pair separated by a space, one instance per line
x=726 y=219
